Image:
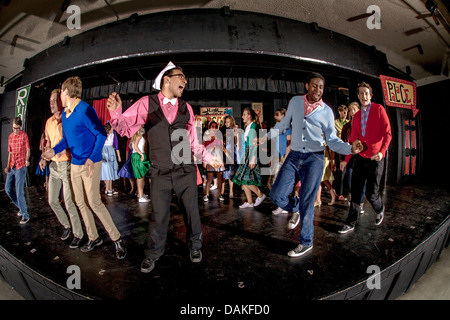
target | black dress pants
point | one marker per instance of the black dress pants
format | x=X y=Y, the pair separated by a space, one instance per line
x=182 y=180
x=369 y=172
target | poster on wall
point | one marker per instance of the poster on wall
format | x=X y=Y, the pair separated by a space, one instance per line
x=208 y=114
x=400 y=93
x=22 y=95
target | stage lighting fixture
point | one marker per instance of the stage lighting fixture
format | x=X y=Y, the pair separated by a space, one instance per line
x=134 y=18
x=65 y=41
x=314 y=26
x=65 y=5
x=225 y=11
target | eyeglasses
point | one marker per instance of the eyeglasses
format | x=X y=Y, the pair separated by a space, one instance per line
x=179 y=75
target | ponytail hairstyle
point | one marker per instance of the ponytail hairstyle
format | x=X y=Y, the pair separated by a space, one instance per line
x=136 y=135
x=252 y=113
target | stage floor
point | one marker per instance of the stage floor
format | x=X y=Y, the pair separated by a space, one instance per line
x=244 y=251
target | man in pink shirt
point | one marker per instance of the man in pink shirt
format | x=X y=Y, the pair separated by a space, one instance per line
x=169 y=124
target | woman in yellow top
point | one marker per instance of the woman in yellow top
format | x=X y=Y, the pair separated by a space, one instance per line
x=329 y=166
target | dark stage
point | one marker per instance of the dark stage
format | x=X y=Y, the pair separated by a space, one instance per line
x=244 y=253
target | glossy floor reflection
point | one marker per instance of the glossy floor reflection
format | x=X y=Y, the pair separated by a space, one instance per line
x=244 y=251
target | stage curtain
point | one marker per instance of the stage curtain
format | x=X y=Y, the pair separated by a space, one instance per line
x=144 y=87
x=102 y=111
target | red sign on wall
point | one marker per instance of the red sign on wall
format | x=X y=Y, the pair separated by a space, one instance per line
x=400 y=93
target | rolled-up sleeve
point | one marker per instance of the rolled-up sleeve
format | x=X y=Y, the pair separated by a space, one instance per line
x=130 y=121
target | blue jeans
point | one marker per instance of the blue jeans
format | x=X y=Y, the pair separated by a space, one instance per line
x=308 y=168
x=17 y=178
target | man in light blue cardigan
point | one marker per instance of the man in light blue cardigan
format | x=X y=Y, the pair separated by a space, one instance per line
x=312 y=123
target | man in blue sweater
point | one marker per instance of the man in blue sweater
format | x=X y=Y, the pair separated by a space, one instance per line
x=312 y=123
x=84 y=135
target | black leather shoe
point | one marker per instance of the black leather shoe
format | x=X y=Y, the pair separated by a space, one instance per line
x=121 y=252
x=66 y=234
x=91 y=245
x=195 y=255
x=147 y=265
x=75 y=243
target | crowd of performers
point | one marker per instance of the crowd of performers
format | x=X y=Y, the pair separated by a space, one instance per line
x=309 y=149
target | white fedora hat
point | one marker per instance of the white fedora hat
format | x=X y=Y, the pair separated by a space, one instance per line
x=157 y=84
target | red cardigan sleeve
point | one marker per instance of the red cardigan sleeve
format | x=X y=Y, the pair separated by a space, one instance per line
x=385 y=129
x=378 y=132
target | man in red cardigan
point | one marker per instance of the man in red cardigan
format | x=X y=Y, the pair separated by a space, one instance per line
x=371 y=126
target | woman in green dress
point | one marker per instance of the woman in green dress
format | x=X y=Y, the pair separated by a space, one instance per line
x=248 y=174
x=139 y=162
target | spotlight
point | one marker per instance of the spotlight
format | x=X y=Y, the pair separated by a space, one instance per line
x=314 y=26
x=65 y=5
x=408 y=70
x=133 y=19
x=431 y=5
x=225 y=11
x=65 y=41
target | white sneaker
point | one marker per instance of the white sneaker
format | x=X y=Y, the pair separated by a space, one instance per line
x=144 y=199
x=298 y=251
x=361 y=208
x=278 y=211
x=293 y=222
x=205 y=198
x=221 y=198
x=213 y=187
x=259 y=200
x=246 y=205
x=346 y=228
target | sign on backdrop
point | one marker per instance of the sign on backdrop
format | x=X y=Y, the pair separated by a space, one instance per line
x=22 y=95
x=400 y=93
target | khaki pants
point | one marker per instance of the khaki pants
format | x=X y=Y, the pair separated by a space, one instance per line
x=60 y=175
x=88 y=189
